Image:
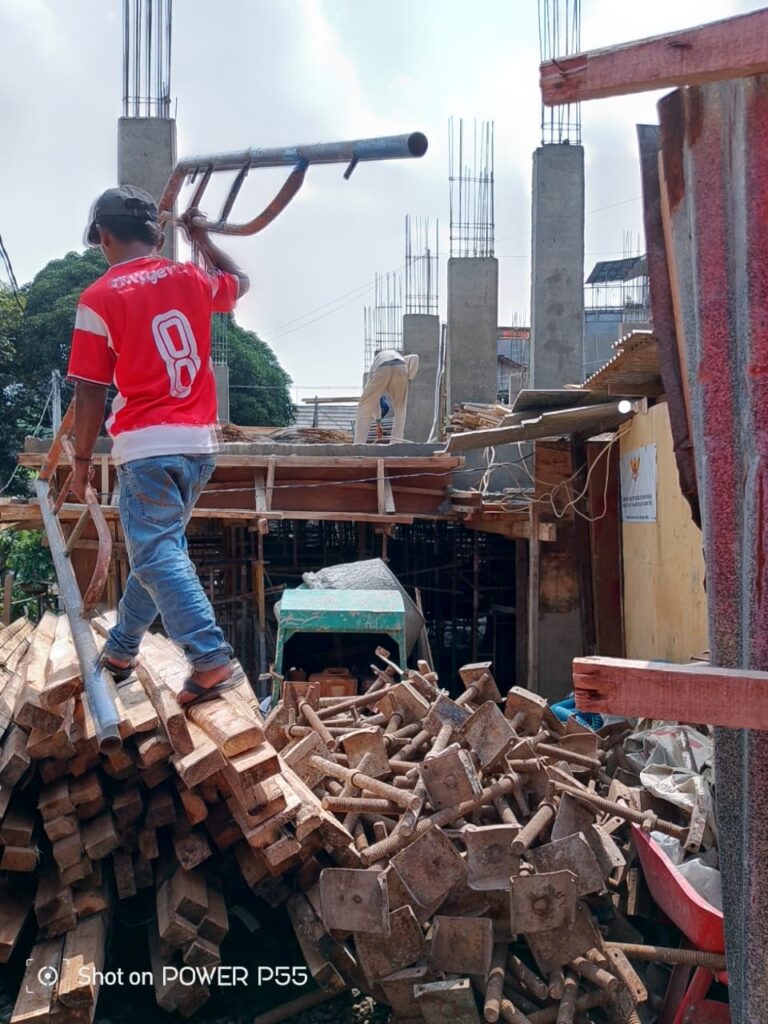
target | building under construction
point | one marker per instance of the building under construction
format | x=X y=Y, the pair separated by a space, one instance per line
x=493 y=667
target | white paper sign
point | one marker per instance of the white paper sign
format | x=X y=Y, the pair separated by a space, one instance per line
x=638 y=485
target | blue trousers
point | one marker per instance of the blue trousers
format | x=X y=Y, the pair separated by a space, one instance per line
x=157 y=496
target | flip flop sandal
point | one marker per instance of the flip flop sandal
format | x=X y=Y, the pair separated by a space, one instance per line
x=118 y=672
x=201 y=694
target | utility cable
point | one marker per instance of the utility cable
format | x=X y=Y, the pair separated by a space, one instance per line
x=11 y=275
x=17 y=467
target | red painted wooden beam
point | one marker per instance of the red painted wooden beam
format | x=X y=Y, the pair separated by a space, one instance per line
x=731 y=48
x=695 y=693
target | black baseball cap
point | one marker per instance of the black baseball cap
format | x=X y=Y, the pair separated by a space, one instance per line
x=125 y=201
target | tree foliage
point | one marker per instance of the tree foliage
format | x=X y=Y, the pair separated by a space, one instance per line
x=22 y=552
x=259 y=386
x=36 y=341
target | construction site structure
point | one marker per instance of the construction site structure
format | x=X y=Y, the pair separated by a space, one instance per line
x=704 y=183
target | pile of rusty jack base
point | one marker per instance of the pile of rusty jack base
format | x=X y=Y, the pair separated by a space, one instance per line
x=491 y=854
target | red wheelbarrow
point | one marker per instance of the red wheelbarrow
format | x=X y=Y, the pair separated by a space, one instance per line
x=701 y=924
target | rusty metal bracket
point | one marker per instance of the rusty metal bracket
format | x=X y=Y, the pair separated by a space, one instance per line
x=461 y=945
x=430 y=867
x=490 y=862
x=354 y=900
x=545 y=902
x=442 y=1001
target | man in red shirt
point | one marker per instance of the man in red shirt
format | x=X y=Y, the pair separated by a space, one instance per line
x=145 y=326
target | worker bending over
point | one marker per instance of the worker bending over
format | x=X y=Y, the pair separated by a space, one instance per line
x=389 y=375
x=145 y=326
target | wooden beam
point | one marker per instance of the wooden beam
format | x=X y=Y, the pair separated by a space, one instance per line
x=696 y=693
x=437 y=462
x=509 y=527
x=731 y=48
x=270 y=487
x=261 y=501
x=534 y=586
x=380 y=496
x=8 y=596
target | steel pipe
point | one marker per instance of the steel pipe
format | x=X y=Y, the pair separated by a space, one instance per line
x=352 y=152
x=98 y=685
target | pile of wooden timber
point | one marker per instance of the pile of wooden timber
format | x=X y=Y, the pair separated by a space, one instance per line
x=289 y=435
x=80 y=830
x=475 y=416
x=444 y=855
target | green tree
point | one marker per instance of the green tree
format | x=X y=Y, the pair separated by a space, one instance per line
x=11 y=400
x=264 y=400
x=22 y=552
x=34 y=343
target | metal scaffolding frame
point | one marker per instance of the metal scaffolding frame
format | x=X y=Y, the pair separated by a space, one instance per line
x=470 y=176
x=383 y=322
x=422 y=264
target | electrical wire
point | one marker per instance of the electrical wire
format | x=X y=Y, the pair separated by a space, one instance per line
x=17 y=467
x=549 y=498
x=10 y=273
x=357 y=293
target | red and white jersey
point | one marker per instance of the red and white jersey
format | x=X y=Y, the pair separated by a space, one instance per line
x=145 y=326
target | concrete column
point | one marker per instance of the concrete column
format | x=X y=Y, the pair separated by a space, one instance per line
x=557 y=355
x=146 y=155
x=421 y=337
x=473 y=322
x=557 y=266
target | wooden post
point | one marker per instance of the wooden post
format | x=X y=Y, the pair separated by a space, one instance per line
x=258 y=572
x=583 y=548
x=522 y=548
x=534 y=552
x=475 y=593
x=8 y=596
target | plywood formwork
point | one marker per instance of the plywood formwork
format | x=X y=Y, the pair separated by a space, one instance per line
x=276 y=485
x=665 y=603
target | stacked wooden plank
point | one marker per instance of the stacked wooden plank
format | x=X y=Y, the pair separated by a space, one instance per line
x=80 y=830
x=476 y=416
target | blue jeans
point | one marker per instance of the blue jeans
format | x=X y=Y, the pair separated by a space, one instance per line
x=157 y=496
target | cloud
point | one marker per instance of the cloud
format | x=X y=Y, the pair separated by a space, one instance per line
x=280 y=72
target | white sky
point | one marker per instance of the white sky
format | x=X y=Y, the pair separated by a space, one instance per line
x=281 y=72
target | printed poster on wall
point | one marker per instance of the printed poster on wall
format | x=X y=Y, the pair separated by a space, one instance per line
x=638 y=485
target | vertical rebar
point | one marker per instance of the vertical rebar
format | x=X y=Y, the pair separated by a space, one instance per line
x=147 y=58
x=471 y=191
x=560 y=36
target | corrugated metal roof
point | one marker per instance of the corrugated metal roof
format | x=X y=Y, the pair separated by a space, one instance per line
x=618 y=270
x=340 y=417
x=633 y=371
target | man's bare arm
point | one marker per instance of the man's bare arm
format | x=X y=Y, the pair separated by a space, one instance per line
x=214 y=256
x=90 y=401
